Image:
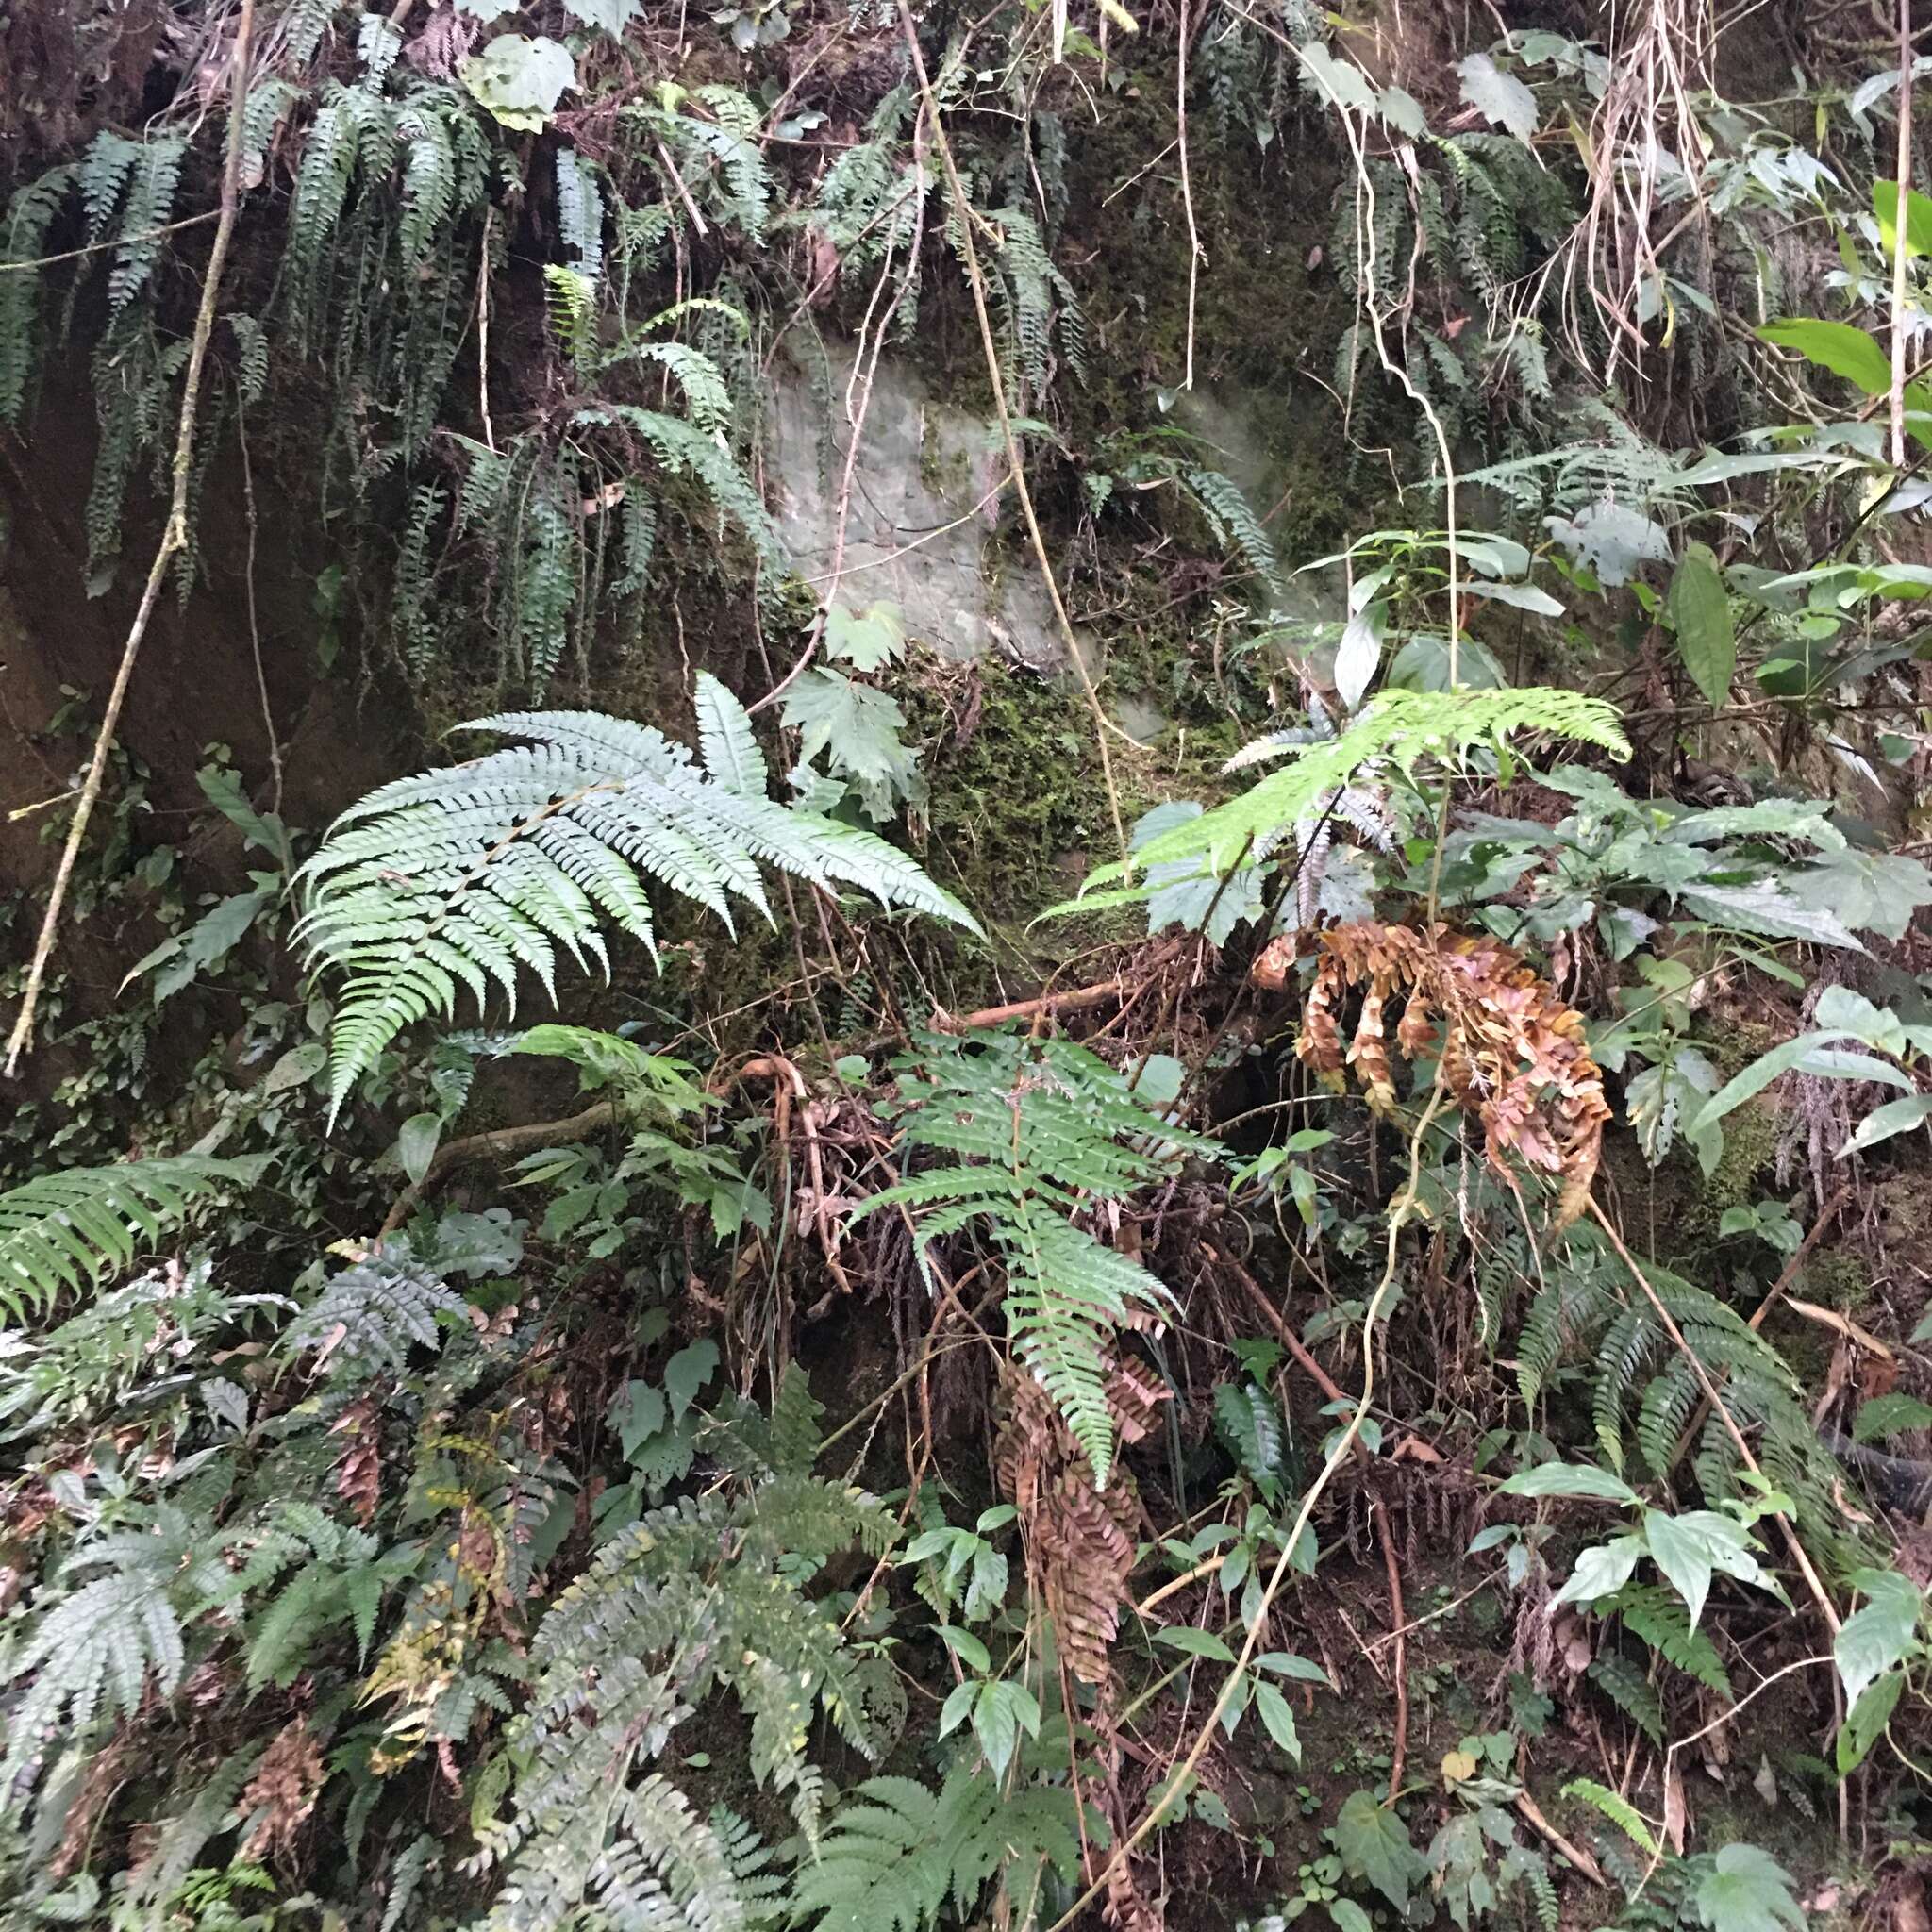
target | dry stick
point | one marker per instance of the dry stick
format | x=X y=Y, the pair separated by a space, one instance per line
x=1397 y=1625
x=483 y=336
x=1398 y=1218
x=962 y=213
x=1899 y=345
x=268 y=716
x=174 y=540
x=494 y=1146
x=1071 y=1001
x=14 y=268
x=1818 y=1594
x=1180 y=115
x=1826 y=1217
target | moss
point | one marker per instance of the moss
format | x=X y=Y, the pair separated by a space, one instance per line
x=1751 y=1137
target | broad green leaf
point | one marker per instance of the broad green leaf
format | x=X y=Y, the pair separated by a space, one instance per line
x=1882 y=1123
x=1373 y=1845
x=1835 y=346
x=1755 y=1078
x=1500 y=98
x=1359 y=654
x=520 y=80
x=1285 y=1663
x=1278 y=1720
x=1195 y=1643
x=1682 y=1551
x=1876 y=1638
x=1346 y=1916
x=1403 y=112
x=1701 y=610
x=964 y=1645
x=295 y=1067
x=1341 y=82
x=416 y=1144
x=686 y=1372
x=1867 y=1719
x=1748 y=1892
x=1569 y=1479
x=637 y=1414
x=1518 y=596
x=1601 y=1570
x=865 y=638
x=1918 y=219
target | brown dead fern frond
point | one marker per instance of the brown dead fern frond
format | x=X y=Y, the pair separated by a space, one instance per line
x=1512 y=1053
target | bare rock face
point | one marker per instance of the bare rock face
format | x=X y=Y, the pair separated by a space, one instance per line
x=927 y=501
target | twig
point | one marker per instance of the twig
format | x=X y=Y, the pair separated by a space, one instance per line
x=268 y=716
x=963 y=214
x=494 y=1146
x=173 y=541
x=1180 y=115
x=1398 y=1218
x=1531 y=1815
x=691 y=207
x=1073 y=1000
x=1397 y=1626
x=483 y=336
x=207 y=214
x=1899 y=345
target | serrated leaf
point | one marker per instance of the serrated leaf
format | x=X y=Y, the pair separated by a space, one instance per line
x=1866 y=892
x=1748 y=1891
x=686 y=1372
x=856 y=725
x=865 y=638
x=1701 y=610
x=1373 y=1845
x=1500 y=98
x=613 y=16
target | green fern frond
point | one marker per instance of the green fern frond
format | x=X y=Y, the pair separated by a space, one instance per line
x=898 y=1853
x=63 y=1232
x=1659 y=1616
x=369 y=1316
x=30 y=212
x=1040 y=1128
x=1396 y=731
x=462 y=877
x=1618 y=1810
x=1626 y=1687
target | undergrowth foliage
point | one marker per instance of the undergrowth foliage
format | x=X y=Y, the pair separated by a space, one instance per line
x=767 y=1451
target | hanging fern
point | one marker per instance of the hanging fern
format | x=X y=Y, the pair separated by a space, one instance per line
x=1040 y=1129
x=462 y=876
x=63 y=1232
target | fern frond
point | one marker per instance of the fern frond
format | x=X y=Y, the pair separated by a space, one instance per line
x=1397 y=731
x=460 y=878
x=63 y=1232
x=369 y=1316
x=1039 y=1127
x=1659 y=1617
x=30 y=212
